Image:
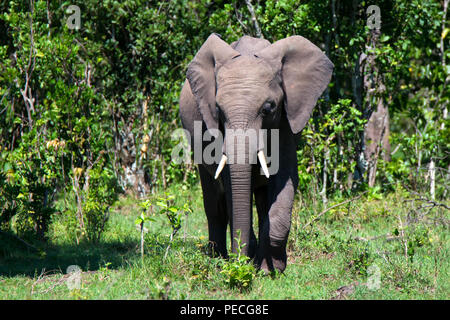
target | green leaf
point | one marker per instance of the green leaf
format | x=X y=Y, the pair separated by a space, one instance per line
x=138 y=221
x=173 y=209
x=161 y=204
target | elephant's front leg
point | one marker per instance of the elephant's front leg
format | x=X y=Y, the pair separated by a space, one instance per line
x=275 y=229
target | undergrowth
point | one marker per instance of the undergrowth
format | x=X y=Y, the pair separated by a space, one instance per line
x=396 y=247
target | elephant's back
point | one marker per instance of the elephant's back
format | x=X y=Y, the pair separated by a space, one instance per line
x=249 y=45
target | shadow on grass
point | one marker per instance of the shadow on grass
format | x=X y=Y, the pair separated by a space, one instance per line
x=32 y=259
x=19 y=258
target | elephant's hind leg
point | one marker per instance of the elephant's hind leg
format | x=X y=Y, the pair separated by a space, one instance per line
x=216 y=213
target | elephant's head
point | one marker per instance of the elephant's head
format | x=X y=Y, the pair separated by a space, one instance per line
x=249 y=89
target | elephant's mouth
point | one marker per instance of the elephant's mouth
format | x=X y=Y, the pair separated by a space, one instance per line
x=244 y=146
x=261 y=158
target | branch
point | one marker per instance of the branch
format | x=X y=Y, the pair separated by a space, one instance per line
x=402 y=234
x=332 y=207
x=387 y=237
x=431 y=202
x=255 y=21
x=239 y=17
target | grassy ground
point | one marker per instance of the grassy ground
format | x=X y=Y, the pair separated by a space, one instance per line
x=369 y=248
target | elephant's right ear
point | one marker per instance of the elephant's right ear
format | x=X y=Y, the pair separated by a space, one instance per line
x=201 y=76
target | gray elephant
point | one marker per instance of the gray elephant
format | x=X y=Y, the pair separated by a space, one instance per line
x=252 y=84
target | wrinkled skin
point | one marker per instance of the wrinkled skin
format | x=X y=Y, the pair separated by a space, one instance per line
x=252 y=84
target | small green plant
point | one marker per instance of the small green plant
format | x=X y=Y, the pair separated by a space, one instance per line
x=418 y=238
x=105 y=267
x=167 y=207
x=238 y=272
x=144 y=217
x=173 y=213
x=374 y=193
x=360 y=259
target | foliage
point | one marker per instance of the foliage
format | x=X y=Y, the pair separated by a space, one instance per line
x=173 y=213
x=146 y=214
x=165 y=205
x=334 y=139
x=238 y=270
x=101 y=195
x=87 y=113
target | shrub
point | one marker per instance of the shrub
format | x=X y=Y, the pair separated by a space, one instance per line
x=239 y=272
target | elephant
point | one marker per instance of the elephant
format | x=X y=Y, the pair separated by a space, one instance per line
x=252 y=84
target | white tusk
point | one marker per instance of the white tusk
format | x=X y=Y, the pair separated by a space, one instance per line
x=262 y=160
x=222 y=163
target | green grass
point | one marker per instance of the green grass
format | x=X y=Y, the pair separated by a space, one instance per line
x=330 y=259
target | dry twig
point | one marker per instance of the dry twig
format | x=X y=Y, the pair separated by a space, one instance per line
x=254 y=20
x=332 y=207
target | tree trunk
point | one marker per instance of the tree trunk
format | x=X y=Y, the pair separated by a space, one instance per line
x=376 y=135
x=432 y=173
x=375 y=138
x=133 y=177
x=254 y=19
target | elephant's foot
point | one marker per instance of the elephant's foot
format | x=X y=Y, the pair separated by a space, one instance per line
x=271 y=263
x=272 y=258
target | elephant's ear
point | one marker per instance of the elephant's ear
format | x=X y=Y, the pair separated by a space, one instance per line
x=306 y=72
x=201 y=76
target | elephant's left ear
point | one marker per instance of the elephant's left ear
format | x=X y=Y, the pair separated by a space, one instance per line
x=306 y=72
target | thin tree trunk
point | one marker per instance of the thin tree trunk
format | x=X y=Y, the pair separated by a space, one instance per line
x=336 y=40
x=376 y=111
x=324 y=176
x=254 y=19
x=357 y=88
x=142 y=239
x=432 y=174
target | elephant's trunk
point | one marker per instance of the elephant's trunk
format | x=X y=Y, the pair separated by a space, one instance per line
x=240 y=175
x=241 y=153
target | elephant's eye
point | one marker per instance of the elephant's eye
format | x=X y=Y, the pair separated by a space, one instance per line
x=267 y=107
